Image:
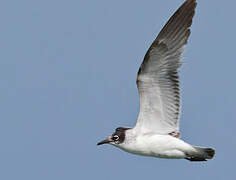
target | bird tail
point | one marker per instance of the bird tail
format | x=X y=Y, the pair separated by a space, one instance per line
x=202 y=154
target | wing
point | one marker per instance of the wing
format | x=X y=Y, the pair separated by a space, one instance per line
x=158 y=80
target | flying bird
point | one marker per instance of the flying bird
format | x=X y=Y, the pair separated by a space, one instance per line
x=156 y=132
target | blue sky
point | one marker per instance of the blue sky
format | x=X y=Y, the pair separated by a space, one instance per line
x=67 y=80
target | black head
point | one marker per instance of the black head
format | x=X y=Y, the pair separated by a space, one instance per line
x=117 y=137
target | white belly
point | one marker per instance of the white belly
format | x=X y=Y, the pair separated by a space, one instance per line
x=163 y=146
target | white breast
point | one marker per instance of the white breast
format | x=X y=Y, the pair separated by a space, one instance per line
x=163 y=146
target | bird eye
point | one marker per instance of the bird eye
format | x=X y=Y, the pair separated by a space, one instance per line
x=115 y=138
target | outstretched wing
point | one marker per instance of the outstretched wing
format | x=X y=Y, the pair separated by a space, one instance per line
x=158 y=80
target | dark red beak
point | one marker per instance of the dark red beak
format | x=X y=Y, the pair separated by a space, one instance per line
x=106 y=141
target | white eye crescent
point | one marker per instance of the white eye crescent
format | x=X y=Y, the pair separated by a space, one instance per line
x=115 y=137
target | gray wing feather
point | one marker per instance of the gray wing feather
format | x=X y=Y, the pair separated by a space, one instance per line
x=158 y=80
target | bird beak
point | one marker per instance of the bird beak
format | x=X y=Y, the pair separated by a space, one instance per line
x=106 y=141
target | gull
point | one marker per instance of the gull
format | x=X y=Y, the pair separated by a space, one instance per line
x=156 y=132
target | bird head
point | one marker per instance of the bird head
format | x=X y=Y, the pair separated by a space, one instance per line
x=116 y=138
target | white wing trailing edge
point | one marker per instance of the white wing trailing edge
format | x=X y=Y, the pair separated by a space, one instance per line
x=158 y=80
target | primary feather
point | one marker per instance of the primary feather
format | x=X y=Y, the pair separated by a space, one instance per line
x=158 y=80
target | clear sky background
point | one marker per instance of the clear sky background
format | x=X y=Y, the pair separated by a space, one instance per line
x=67 y=80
